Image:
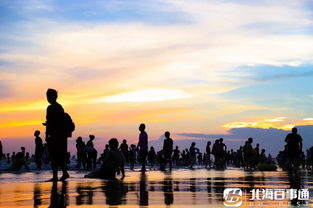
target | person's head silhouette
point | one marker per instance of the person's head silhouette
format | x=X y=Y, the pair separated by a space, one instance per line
x=37 y=133
x=52 y=95
x=91 y=137
x=294 y=130
x=113 y=143
x=142 y=127
x=124 y=141
x=79 y=139
x=167 y=134
x=250 y=140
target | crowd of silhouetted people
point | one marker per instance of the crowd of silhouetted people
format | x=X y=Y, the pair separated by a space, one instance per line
x=115 y=156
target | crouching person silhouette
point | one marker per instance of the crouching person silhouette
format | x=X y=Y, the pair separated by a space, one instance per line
x=113 y=163
x=57 y=129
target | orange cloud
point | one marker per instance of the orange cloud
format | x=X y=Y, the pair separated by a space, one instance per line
x=265 y=123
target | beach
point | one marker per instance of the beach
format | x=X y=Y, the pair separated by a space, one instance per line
x=176 y=188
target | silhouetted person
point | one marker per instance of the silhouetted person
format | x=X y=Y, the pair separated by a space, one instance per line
x=124 y=149
x=257 y=151
x=249 y=156
x=1 y=151
x=143 y=146
x=105 y=151
x=81 y=153
x=263 y=158
x=151 y=157
x=38 y=149
x=8 y=158
x=193 y=151
x=56 y=135
x=113 y=163
x=19 y=161
x=45 y=154
x=167 y=150
x=208 y=153
x=132 y=156
x=13 y=157
x=91 y=154
x=176 y=154
x=294 y=148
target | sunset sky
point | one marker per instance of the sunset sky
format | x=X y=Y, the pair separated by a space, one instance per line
x=177 y=65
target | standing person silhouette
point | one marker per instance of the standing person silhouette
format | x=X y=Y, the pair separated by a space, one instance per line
x=38 y=149
x=56 y=137
x=1 y=152
x=294 y=149
x=208 y=153
x=167 y=150
x=124 y=149
x=143 y=146
x=91 y=154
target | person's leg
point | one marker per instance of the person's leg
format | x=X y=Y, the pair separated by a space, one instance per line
x=170 y=161
x=54 y=171
x=79 y=160
x=39 y=162
x=143 y=156
x=65 y=173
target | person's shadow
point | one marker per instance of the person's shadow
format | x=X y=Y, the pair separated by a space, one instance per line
x=58 y=200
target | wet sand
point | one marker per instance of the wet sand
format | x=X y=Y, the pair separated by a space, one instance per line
x=178 y=188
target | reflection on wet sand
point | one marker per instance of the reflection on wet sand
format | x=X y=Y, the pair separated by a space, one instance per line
x=59 y=199
x=176 y=188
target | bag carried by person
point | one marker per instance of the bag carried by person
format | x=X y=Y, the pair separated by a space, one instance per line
x=69 y=125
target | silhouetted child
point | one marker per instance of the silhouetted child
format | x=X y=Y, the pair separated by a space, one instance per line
x=151 y=157
x=38 y=149
x=113 y=163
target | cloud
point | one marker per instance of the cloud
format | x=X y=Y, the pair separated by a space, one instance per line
x=100 y=57
x=146 y=95
x=271 y=139
x=6 y=89
x=265 y=123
